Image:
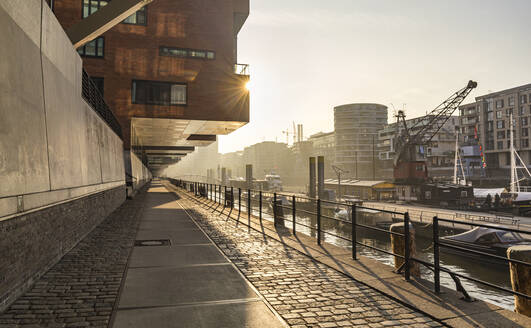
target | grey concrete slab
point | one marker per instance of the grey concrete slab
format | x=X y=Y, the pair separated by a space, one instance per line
x=175 y=256
x=171 y=286
x=168 y=225
x=249 y=314
x=178 y=237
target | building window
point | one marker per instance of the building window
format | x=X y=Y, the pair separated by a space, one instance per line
x=187 y=53
x=138 y=18
x=525 y=132
x=500 y=124
x=524 y=121
x=490 y=126
x=94 y=48
x=499 y=103
x=525 y=143
x=511 y=100
x=499 y=114
x=508 y=143
x=500 y=134
x=500 y=145
x=490 y=116
x=521 y=111
x=508 y=111
x=158 y=93
x=523 y=99
x=91 y=6
x=98 y=82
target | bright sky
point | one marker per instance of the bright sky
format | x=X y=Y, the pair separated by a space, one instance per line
x=307 y=56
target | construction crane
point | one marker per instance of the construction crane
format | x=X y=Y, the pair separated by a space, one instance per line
x=410 y=163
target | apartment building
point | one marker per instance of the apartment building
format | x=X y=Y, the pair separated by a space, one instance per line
x=485 y=126
x=169 y=72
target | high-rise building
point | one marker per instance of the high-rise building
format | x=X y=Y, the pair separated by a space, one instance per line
x=486 y=124
x=169 y=72
x=356 y=135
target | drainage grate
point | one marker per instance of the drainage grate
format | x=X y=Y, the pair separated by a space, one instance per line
x=153 y=242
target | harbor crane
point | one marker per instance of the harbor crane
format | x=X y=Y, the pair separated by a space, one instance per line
x=410 y=161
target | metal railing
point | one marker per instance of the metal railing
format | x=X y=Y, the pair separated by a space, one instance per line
x=222 y=200
x=241 y=69
x=94 y=98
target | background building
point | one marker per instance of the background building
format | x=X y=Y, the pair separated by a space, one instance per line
x=486 y=123
x=168 y=73
x=324 y=144
x=356 y=135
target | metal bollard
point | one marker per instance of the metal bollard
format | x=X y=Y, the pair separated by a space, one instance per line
x=521 y=277
x=260 y=205
x=294 y=214
x=249 y=208
x=398 y=246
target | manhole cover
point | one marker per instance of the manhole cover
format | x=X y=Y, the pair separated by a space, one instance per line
x=152 y=242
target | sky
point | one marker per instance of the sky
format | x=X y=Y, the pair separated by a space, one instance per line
x=307 y=56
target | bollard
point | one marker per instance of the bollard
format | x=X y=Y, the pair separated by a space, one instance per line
x=397 y=247
x=521 y=277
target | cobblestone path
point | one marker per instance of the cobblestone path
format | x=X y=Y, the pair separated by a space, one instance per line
x=82 y=288
x=303 y=291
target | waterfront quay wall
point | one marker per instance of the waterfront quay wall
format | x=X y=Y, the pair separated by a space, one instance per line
x=61 y=165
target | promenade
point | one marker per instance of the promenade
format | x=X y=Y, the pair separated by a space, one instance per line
x=165 y=260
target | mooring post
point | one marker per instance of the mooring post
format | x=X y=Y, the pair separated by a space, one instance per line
x=521 y=277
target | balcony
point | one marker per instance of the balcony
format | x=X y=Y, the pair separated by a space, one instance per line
x=241 y=69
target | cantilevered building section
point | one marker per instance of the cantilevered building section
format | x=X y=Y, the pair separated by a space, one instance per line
x=169 y=72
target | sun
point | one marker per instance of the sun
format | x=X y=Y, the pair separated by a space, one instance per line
x=248 y=86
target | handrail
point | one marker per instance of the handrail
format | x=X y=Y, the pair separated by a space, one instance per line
x=436 y=266
x=94 y=98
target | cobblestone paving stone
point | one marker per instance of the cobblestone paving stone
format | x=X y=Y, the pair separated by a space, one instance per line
x=82 y=288
x=304 y=292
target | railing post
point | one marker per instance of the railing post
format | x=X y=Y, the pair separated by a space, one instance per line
x=275 y=208
x=436 y=264
x=239 y=201
x=224 y=197
x=260 y=204
x=231 y=198
x=294 y=213
x=354 y=230
x=249 y=208
x=406 y=247
x=318 y=221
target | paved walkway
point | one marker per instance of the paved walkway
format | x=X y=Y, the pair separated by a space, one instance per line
x=305 y=292
x=177 y=277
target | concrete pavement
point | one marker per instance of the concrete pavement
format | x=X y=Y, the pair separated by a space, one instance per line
x=177 y=277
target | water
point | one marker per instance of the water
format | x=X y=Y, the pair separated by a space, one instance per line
x=497 y=274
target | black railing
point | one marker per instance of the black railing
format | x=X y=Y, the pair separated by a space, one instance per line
x=95 y=99
x=213 y=193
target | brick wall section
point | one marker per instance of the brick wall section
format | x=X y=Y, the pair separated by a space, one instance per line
x=30 y=244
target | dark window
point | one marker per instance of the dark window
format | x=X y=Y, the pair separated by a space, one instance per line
x=500 y=124
x=523 y=99
x=187 y=53
x=94 y=48
x=521 y=111
x=98 y=82
x=138 y=18
x=525 y=143
x=500 y=144
x=91 y=6
x=158 y=93
x=499 y=103
x=500 y=135
x=511 y=101
x=525 y=132
x=524 y=121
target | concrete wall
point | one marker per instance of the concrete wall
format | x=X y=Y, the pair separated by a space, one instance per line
x=61 y=166
x=137 y=174
x=53 y=146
